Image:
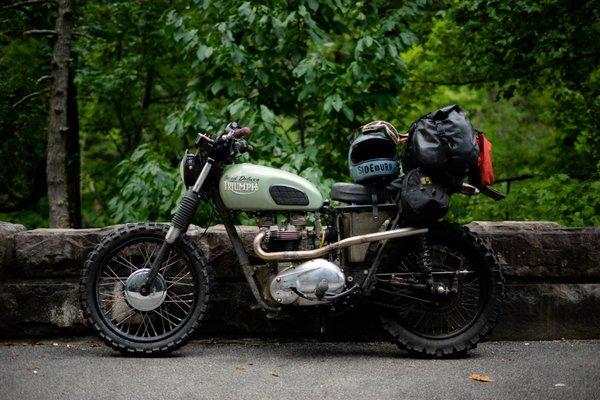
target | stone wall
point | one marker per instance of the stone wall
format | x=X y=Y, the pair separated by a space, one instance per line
x=552 y=289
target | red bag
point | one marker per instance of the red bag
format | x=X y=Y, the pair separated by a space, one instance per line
x=484 y=161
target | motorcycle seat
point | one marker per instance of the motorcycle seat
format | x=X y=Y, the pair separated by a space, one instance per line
x=354 y=193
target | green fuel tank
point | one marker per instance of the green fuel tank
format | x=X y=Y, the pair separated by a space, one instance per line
x=255 y=187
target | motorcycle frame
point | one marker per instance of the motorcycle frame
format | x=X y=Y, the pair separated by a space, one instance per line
x=375 y=251
x=211 y=173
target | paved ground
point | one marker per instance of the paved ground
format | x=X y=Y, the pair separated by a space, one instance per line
x=252 y=369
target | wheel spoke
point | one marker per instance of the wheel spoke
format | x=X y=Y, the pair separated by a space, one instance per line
x=179 y=278
x=178 y=304
x=126 y=264
x=163 y=318
x=114 y=274
x=131 y=314
x=167 y=263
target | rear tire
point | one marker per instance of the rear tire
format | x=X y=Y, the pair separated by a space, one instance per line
x=180 y=325
x=408 y=333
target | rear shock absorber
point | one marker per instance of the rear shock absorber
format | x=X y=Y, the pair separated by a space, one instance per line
x=427 y=263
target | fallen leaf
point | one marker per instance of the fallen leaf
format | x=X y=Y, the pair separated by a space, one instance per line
x=480 y=378
x=240 y=368
x=274 y=374
x=95 y=344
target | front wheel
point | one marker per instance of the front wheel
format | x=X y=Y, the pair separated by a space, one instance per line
x=165 y=319
x=454 y=319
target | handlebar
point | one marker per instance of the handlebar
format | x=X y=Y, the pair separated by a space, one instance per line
x=226 y=146
x=237 y=133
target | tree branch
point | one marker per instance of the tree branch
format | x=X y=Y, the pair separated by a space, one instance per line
x=47 y=32
x=30 y=95
x=42 y=79
x=27 y=3
x=81 y=33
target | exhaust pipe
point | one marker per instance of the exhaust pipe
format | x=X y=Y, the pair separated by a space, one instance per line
x=351 y=241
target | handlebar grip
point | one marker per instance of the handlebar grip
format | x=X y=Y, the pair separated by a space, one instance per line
x=240 y=133
x=237 y=133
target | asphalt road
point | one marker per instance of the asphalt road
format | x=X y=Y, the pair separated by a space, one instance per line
x=253 y=369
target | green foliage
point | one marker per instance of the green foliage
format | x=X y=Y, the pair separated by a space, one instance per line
x=129 y=80
x=23 y=61
x=303 y=74
x=150 y=187
x=559 y=198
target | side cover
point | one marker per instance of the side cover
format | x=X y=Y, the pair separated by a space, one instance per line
x=255 y=187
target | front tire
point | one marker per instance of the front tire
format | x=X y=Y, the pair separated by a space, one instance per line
x=450 y=325
x=151 y=325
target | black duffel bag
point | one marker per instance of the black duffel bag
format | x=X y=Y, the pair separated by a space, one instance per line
x=422 y=200
x=442 y=142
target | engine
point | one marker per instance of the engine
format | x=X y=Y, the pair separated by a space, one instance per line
x=308 y=283
x=299 y=283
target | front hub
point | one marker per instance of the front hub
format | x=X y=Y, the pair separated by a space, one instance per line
x=145 y=302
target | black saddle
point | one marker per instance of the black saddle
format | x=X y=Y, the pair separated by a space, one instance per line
x=354 y=193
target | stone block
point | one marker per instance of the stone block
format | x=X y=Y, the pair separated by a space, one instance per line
x=7 y=242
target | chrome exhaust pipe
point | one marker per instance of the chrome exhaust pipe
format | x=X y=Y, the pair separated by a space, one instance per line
x=351 y=241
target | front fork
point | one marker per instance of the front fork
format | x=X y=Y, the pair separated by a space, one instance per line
x=179 y=224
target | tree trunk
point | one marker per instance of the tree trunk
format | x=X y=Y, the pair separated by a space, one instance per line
x=62 y=166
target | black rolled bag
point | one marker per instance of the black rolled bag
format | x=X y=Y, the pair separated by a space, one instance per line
x=442 y=142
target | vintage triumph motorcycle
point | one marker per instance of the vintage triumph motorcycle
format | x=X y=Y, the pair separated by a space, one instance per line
x=436 y=287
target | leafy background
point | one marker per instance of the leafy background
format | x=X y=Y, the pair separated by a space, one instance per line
x=303 y=74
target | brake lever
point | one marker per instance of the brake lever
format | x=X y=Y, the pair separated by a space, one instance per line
x=468 y=190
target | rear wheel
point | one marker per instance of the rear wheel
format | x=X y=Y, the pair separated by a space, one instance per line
x=157 y=323
x=454 y=319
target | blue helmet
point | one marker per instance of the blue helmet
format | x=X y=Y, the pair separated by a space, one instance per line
x=372 y=156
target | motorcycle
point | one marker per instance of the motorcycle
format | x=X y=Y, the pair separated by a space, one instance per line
x=436 y=287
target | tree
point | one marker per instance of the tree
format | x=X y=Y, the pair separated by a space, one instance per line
x=62 y=168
